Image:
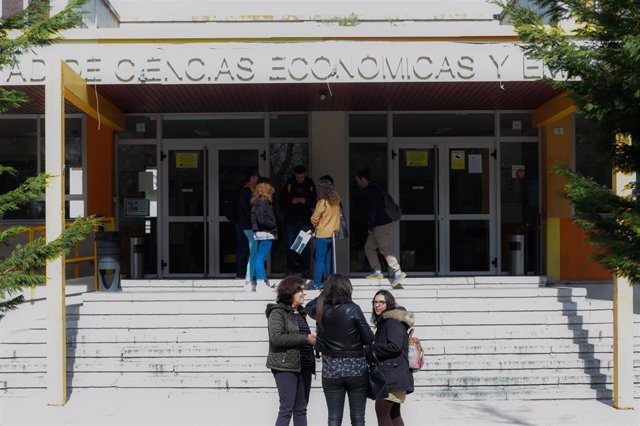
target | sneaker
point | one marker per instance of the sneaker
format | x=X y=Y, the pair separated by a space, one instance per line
x=310 y=285
x=269 y=285
x=397 y=279
x=375 y=276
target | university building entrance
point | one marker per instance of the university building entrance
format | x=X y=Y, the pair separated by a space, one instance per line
x=200 y=180
x=448 y=221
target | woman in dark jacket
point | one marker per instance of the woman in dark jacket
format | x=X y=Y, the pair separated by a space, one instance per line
x=391 y=349
x=342 y=333
x=265 y=227
x=291 y=351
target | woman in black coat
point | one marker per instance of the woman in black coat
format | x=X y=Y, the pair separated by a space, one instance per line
x=391 y=349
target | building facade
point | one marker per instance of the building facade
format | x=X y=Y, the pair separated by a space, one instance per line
x=436 y=98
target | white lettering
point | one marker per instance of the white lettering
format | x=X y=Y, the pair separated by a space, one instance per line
x=498 y=64
x=416 y=68
x=301 y=72
x=531 y=68
x=277 y=69
x=191 y=73
x=319 y=71
x=248 y=68
x=445 y=68
x=123 y=75
x=93 y=71
x=348 y=70
x=466 y=64
x=152 y=72
x=38 y=70
x=371 y=71
x=224 y=70
x=393 y=74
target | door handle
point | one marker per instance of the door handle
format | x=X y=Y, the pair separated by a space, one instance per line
x=394 y=154
x=264 y=155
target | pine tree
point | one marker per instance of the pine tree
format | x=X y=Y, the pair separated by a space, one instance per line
x=597 y=45
x=24 y=266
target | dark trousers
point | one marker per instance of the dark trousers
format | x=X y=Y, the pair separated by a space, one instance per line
x=292 y=257
x=334 y=392
x=242 y=247
x=293 y=389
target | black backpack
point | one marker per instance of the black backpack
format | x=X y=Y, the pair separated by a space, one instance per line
x=391 y=209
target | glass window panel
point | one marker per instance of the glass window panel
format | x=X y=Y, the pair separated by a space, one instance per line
x=284 y=157
x=289 y=125
x=469 y=245
x=186 y=248
x=517 y=124
x=219 y=127
x=19 y=149
x=361 y=155
x=417 y=245
x=137 y=179
x=591 y=142
x=139 y=127
x=416 y=125
x=186 y=183
x=520 y=200
x=417 y=181
x=231 y=169
x=469 y=181
x=367 y=125
x=227 y=247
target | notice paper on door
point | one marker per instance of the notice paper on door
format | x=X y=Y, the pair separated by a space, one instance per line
x=475 y=163
x=457 y=160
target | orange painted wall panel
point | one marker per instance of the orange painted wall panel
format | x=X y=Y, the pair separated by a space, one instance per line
x=100 y=169
x=575 y=263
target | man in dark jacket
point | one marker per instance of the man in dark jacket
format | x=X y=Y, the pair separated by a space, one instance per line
x=298 y=202
x=379 y=226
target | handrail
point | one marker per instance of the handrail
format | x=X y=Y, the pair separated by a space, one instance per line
x=106 y=222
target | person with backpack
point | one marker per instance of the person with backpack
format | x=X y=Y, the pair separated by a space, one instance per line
x=265 y=228
x=379 y=225
x=298 y=199
x=391 y=347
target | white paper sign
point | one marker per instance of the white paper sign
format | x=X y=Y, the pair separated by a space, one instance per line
x=475 y=163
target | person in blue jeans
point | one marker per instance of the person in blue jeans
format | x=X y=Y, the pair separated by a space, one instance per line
x=326 y=221
x=264 y=225
x=246 y=239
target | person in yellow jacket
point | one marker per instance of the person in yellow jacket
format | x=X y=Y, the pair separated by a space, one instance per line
x=326 y=221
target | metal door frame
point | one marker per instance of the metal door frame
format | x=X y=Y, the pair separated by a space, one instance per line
x=441 y=208
x=212 y=214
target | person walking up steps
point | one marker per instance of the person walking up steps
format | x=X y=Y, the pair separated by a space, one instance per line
x=379 y=225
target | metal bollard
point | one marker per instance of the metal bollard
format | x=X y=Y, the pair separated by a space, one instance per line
x=516 y=254
x=136 y=270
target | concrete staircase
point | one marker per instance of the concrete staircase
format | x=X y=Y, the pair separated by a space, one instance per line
x=485 y=338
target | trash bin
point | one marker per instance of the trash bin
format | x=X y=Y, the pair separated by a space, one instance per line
x=136 y=270
x=516 y=254
x=108 y=254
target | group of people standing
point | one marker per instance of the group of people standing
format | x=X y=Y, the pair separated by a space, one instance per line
x=344 y=338
x=309 y=208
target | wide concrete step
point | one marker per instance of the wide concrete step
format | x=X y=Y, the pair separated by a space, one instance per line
x=579 y=347
x=142 y=321
x=264 y=379
x=258 y=306
x=249 y=334
x=455 y=364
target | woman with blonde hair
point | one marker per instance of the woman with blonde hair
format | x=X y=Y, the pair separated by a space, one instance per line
x=265 y=227
x=326 y=221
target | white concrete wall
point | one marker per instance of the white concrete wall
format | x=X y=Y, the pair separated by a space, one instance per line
x=329 y=154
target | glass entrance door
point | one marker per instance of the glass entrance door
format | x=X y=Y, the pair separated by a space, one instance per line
x=200 y=180
x=448 y=208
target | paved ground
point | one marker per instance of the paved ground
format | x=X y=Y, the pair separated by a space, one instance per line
x=140 y=407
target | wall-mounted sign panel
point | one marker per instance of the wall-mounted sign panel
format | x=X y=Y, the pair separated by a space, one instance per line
x=304 y=62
